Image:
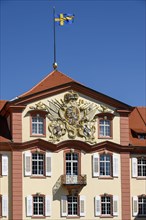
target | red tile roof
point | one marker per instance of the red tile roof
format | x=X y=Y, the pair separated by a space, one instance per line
x=2 y=103
x=137 y=123
x=53 y=79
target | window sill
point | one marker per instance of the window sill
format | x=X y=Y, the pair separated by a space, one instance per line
x=105 y=137
x=141 y=178
x=38 y=217
x=106 y=216
x=37 y=177
x=37 y=135
x=106 y=177
x=72 y=216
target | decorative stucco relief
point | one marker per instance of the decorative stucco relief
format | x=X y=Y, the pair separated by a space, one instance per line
x=71 y=115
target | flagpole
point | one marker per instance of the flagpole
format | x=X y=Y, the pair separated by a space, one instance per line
x=55 y=63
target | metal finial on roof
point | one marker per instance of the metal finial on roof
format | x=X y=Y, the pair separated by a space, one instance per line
x=55 y=65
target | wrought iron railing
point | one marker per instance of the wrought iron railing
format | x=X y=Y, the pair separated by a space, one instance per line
x=74 y=179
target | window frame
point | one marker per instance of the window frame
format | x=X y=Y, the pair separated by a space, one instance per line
x=0 y=165
x=105 y=165
x=77 y=204
x=142 y=167
x=44 y=163
x=111 y=205
x=73 y=151
x=106 y=117
x=143 y=203
x=41 y=196
x=40 y=114
x=0 y=205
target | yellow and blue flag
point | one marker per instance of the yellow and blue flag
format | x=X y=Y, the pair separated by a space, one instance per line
x=62 y=19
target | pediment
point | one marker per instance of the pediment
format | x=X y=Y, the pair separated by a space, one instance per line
x=70 y=115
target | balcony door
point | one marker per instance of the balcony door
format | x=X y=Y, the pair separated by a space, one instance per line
x=72 y=168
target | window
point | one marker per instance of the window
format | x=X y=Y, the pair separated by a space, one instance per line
x=142 y=206
x=139 y=167
x=104 y=128
x=38 y=205
x=142 y=136
x=38 y=161
x=0 y=205
x=38 y=123
x=105 y=165
x=37 y=164
x=73 y=205
x=105 y=125
x=142 y=167
x=139 y=205
x=71 y=164
x=106 y=205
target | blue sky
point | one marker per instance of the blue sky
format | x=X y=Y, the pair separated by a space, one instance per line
x=104 y=48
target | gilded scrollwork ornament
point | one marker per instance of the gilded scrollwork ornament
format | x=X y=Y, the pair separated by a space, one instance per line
x=71 y=116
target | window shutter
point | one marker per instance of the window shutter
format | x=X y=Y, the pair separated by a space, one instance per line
x=97 y=206
x=29 y=205
x=4 y=165
x=63 y=205
x=134 y=167
x=115 y=205
x=115 y=165
x=28 y=164
x=95 y=165
x=48 y=164
x=4 y=205
x=135 y=205
x=48 y=205
x=82 y=206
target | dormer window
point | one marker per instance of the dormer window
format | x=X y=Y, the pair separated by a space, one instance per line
x=38 y=124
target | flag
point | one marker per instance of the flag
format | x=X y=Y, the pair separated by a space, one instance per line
x=62 y=19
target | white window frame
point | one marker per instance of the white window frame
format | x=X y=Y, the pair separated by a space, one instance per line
x=106 y=128
x=39 y=203
x=36 y=130
x=73 y=205
x=106 y=203
x=105 y=163
x=142 y=203
x=141 y=166
x=38 y=163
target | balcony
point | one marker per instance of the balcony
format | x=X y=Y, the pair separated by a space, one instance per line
x=74 y=182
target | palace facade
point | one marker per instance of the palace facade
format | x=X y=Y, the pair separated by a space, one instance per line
x=67 y=151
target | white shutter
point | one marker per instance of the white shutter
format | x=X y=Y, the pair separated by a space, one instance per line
x=115 y=165
x=48 y=164
x=134 y=167
x=63 y=206
x=115 y=205
x=97 y=206
x=4 y=165
x=48 y=205
x=95 y=165
x=4 y=205
x=29 y=205
x=135 y=205
x=82 y=206
x=27 y=163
